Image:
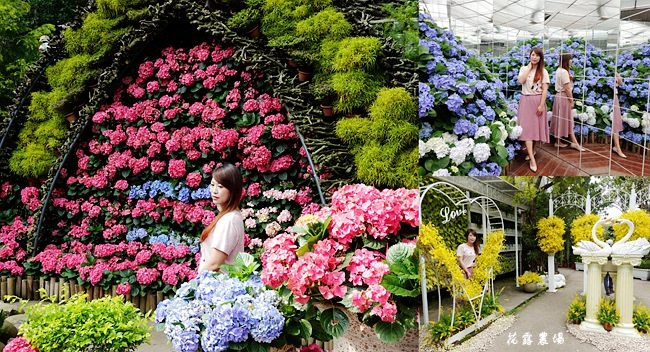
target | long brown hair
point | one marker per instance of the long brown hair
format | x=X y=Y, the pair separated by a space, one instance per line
x=540 y=65
x=565 y=59
x=475 y=244
x=228 y=176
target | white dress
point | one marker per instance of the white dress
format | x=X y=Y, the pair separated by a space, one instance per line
x=227 y=236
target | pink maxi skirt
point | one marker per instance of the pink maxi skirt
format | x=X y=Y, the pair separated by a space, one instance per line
x=562 y=121
x=534 y=127
x=617 y=120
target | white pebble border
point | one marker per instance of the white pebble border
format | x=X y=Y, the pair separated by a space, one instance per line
x=609 y=342
x=482 y=341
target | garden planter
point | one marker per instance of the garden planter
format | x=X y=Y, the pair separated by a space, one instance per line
x=608 y=326
x=71 y=117
x=643 y=274
x=255 y=32
x=303 y=75
x=530 y=288
x=360 y=337
x=328 y=110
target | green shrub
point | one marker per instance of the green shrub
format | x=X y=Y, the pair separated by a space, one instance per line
x=394 y=104
x=353 y=131
x=607 y=312
x=324 y=93
x=441 y=330
x=530 y=278
x=356 y=89
x=116 y=8
x=95 y=37
x=245 y=19
x=71 y=74
x=356 y=53
x=384 y=144
x=282 y=16
x=51 y=133
x=106 y=324
x=641 y=318
x=404 y=28
x=577 y=309
x=327 y=24
x=32 y=160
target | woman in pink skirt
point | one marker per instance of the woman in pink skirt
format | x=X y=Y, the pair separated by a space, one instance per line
x=617 y=120
x=531 y=114
x=562 y=120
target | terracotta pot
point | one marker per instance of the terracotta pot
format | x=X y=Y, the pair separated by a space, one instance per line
x=71 y=117
x=328 y=110
x=303 y=76
x=530 y=288
x=292 y=63
x=255 y=32
x=608 y=326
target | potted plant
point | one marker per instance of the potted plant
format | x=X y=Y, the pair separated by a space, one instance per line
x=305 y=60
x=577 y=310
x=249 y=19
x=641 y=318
x=529 y=280
x=607 y=314
x=326 y=95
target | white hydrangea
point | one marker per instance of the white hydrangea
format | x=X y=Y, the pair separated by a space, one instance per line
x=634 y=108
x=483 y=131
x=459 y=152
x=590 y=110
x=454 y=169
x=441 y=172
x=504 y=132
x=449 y=138
x=423 y=148
x=481 y=152
x=516 y=132
x=605 y=109
x=591 y=120
x=439 y=146
x=583 y=117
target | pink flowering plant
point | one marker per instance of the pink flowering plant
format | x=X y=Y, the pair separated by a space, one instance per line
x=135 y=199
x=357 y=253
x=16 y=209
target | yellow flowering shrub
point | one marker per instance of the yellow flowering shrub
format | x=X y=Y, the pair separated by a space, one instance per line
x=530 y=278
x=581 y=228
x=550 y=234
x=443 y=261
x=641 y=220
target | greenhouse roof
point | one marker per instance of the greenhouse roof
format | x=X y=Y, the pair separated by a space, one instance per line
x=494 y=21
x=492 y=187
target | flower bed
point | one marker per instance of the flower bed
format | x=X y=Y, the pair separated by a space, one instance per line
x=466 y=123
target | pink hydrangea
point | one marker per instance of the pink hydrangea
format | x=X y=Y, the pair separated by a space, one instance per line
x=176 y=168
x=193 y=179
x=29 y=197
x=147 y=276
x=19 y=344
x=123 y=288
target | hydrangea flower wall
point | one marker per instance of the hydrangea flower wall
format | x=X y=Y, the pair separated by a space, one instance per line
x=137 y=196
x=467 y=127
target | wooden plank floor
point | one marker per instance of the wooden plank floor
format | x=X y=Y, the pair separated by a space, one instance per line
x=552 y=161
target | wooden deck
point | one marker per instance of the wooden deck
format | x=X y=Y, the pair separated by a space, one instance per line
x=598 y=160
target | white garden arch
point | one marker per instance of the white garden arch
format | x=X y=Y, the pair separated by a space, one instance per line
x=492 y=220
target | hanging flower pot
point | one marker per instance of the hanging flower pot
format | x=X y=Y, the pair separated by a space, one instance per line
x=71 y=117
x=255 y=32
x=303 y=75
x=328 y=110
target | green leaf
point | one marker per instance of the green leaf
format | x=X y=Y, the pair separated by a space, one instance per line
x=334 y=321
x=318 y=332
x=305 y=329
x=388 y=332
x=502 y=152
x=346 y=262
x=293 y=329
x=399 y=252
x=395 y=286
x=373 y=243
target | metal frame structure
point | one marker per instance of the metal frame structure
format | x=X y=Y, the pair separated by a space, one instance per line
x=492 y=221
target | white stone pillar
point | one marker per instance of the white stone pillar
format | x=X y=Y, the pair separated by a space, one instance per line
x=593 y=264
x=625 y=293
x=551 y=273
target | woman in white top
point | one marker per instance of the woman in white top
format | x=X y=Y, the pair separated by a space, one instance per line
x=467 y=253
x=562 y=120
x=223 y=239
x=531 y=113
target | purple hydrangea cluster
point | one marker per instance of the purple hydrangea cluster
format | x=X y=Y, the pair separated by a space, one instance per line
x=152 y=189
x=457 y=95
x=214 y=311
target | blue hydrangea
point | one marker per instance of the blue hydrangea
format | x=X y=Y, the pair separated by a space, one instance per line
x=267 y=323
x=425 y=131
x=454 y=102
